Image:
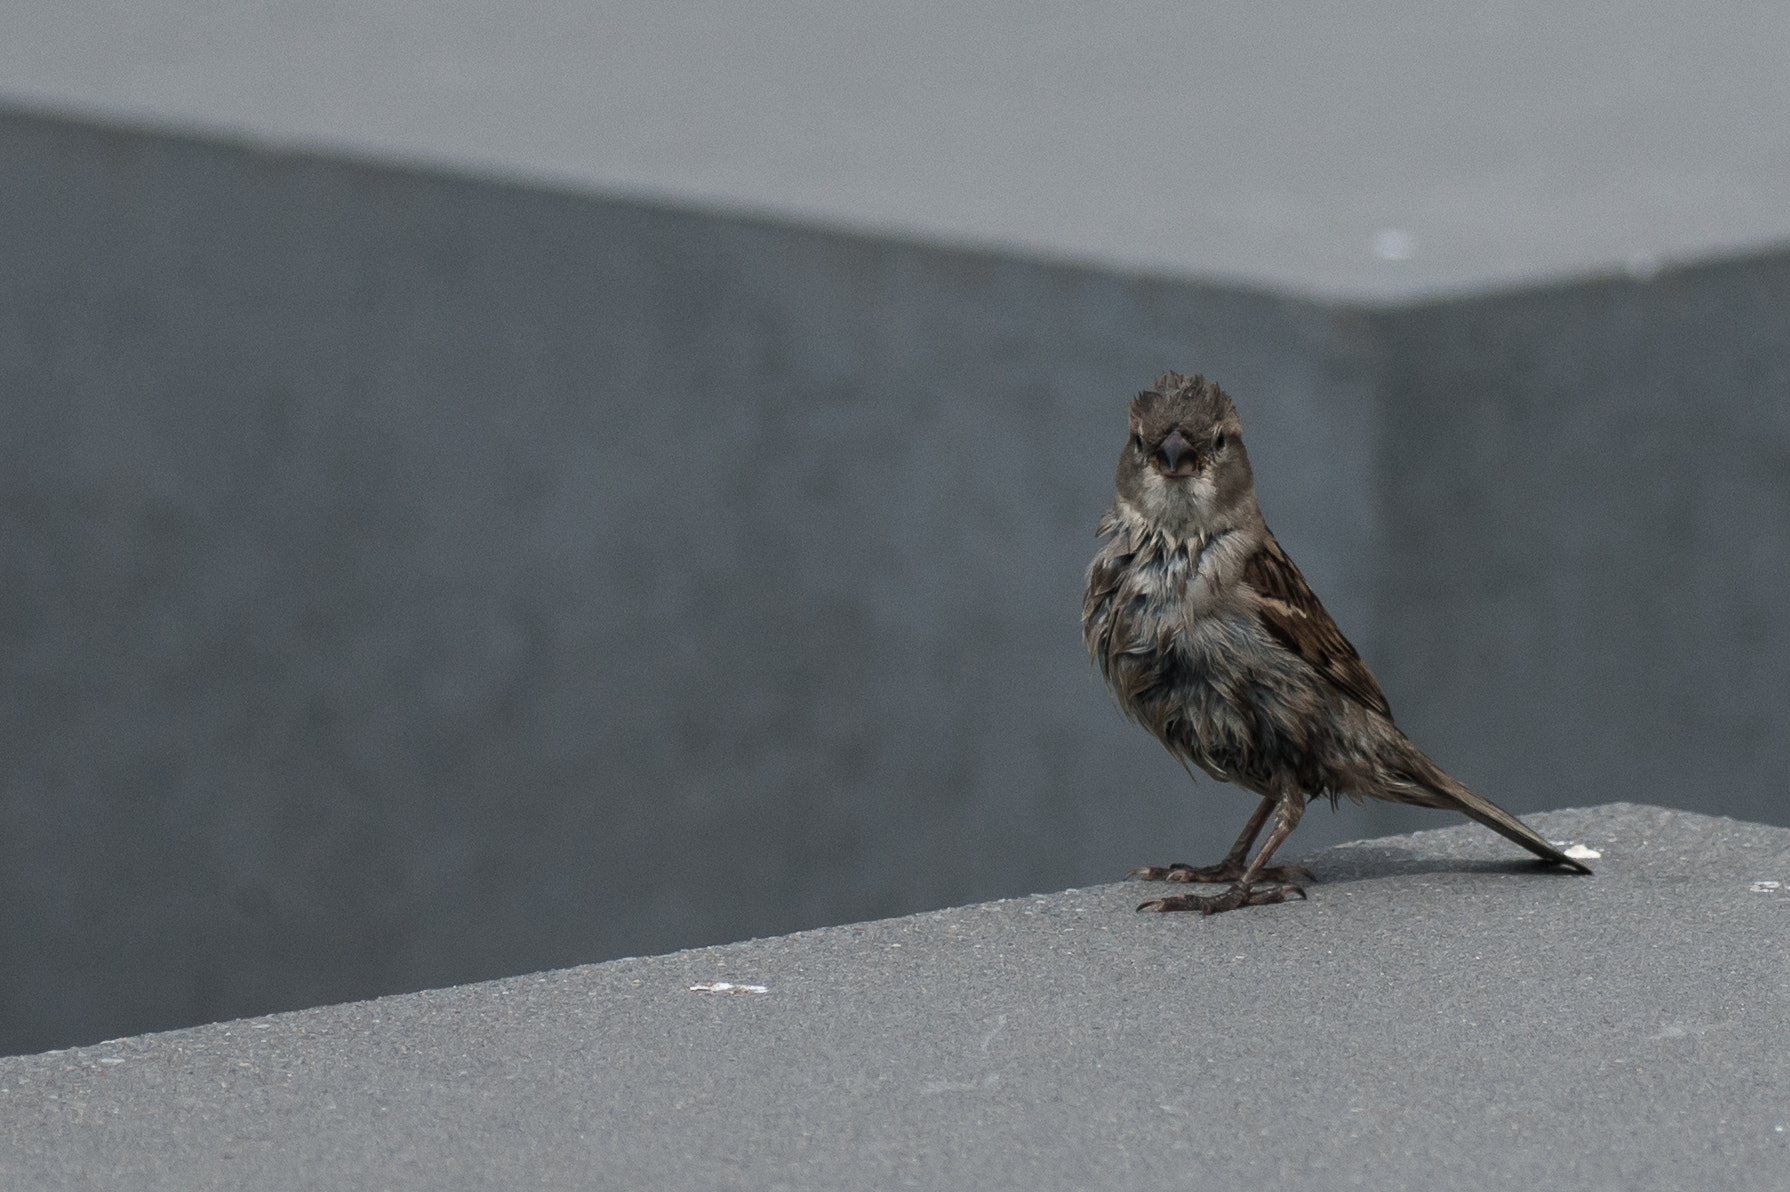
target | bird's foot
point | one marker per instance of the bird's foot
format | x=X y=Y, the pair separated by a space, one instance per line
x=1252 y=894
x=1227 y=870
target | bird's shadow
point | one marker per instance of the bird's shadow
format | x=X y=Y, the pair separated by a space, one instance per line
x=1356 y=863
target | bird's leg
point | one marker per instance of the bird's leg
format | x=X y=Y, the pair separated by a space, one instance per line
x=1231 y=868
x=1227 y=870
x=1257 y=885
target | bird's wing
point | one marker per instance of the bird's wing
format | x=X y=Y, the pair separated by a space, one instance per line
x=1292 y=614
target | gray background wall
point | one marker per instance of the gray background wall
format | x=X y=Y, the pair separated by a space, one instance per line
x=410 y=579
x=407 y=579
x=1586 y=502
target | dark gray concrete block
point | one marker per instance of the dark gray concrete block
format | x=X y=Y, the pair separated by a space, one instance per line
x=411 y=580
x=1439 y=1015
x=1586 y=493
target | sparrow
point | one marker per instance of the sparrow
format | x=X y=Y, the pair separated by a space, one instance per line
x=1209 y=637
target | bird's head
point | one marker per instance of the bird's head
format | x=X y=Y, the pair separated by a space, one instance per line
x=1184 y=470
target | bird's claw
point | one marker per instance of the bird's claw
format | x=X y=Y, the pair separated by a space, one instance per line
x=1241 y=894
x=1224 y=871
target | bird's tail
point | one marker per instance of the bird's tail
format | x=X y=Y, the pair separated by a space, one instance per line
x=1445 y=790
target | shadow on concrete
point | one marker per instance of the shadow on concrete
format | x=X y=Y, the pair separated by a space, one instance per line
x=1370 y=863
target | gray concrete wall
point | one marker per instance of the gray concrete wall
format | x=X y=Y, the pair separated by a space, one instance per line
x=409 y=579
x=1586 y=493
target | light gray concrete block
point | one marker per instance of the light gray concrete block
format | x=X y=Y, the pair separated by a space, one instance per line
x=1439 y=1015
x=1506 y=141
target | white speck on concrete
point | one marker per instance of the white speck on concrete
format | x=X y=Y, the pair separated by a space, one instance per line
x=1394 y=244
x=1000 y=1024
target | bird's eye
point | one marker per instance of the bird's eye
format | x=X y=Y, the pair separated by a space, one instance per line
x=1137 y=441
x=1218 y=443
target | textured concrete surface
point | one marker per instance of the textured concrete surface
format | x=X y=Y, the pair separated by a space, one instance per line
x=1439 y=1015
x=1507 y=140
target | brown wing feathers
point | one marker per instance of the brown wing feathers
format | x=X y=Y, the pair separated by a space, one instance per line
x=1293 y=615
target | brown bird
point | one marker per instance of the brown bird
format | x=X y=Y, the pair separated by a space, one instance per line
x=1209 y=637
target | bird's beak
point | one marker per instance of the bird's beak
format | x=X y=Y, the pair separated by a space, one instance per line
x=1175 y=456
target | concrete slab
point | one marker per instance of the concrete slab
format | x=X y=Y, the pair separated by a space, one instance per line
x=352 y=640
x=1439 y=1015
x=1370 y=151
x=412 y=580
